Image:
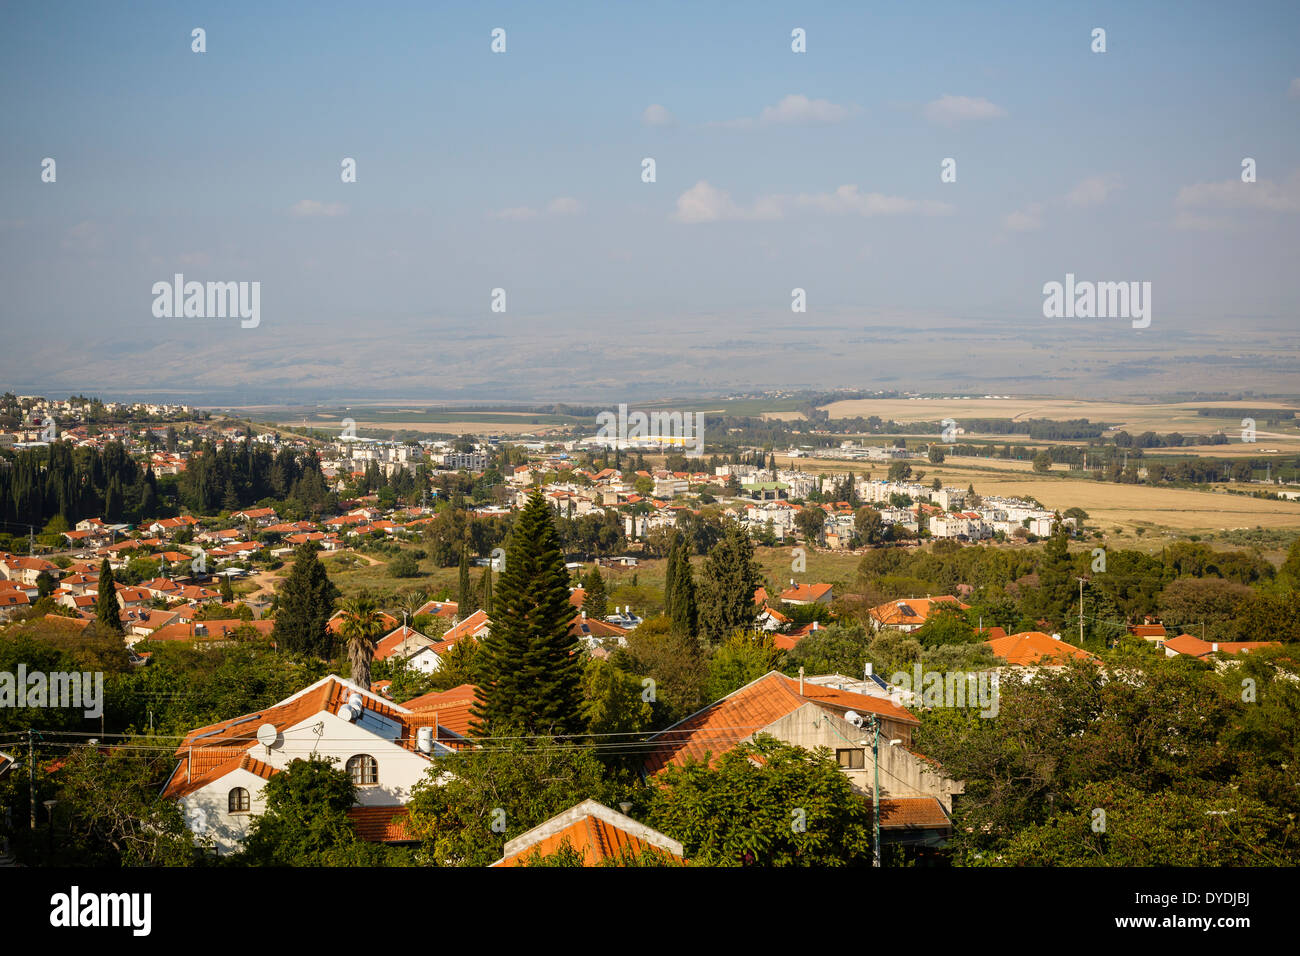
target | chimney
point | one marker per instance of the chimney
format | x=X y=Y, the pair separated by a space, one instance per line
x=801 y=681
x=584 y=614
x=1214 y=648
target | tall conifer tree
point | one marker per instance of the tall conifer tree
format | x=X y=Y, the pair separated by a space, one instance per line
x=731 y=576
x=596 y=601
x=466 y=597
x=306 y=601
x=107 y=611
x=531 y=665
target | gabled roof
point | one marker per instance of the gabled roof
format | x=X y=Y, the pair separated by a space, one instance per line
x=912 y=610
x=910 y=813
x=402 y=640
x=208 y=753
x=382 y=824
x=743 y=713
x=805 y=592
x=595 y=831
x=467 y=627
x=1195 y=647
x=590 y=627
x=451 y=708
x=1147 y=630
x=439 y=609
x=1031 y=648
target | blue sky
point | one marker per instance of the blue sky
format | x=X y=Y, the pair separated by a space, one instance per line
x=522 y=171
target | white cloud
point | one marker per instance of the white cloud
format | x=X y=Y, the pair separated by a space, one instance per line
x=515 y=213
x=1091 y=191
x=1294 y=90
x=656 y=115
x=704 y=202
x=798 y=110
x=949 y=110
x=563 y=206
x=559 y=206
x=85 y=236
x=1234 y=194
x=314 y=207
x=1025 y=220
x=847 y=200
x=794 y=110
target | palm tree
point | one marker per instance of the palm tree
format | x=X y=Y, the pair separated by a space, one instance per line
x=360 y=627
x=411 y=602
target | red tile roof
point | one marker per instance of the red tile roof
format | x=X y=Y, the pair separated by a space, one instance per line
x=594 y=831
x=208 y=753
x=1035 y=648
x=382 y=824
x=806 y=592
x=911 y=610
x=743 y=713
x=906 y=813
x=1195 y=647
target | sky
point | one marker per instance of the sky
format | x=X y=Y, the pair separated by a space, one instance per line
x=522 y=171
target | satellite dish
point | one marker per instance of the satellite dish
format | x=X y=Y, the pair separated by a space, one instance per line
x=267 y=735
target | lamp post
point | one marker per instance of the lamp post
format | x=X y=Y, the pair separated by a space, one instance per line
x=49 y=809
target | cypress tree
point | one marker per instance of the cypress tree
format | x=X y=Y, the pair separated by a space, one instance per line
x=670 y=573
x=466 y=596
x=306 y=601
x=485 y=589
x=731 y=576
x=595 y=603
x=685 y=613
x=531 y=666
x=107 y=611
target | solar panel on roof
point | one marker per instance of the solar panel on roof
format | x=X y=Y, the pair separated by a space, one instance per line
x=379 y=725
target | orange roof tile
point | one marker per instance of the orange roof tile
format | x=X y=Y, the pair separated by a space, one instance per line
x=1034 y=647
x=382 y=824
x=594 y=831
x=743 y=713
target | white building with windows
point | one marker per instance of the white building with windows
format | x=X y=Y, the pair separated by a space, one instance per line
x=222 y=769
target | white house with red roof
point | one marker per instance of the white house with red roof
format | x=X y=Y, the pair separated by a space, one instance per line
x=915 y=793
x=223 y=768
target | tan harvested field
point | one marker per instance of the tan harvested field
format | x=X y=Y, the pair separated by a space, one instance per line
x=1108 y=504
x=1127 y=415
x=446 y=428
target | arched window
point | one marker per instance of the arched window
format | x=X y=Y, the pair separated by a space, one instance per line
x=238 y=801
x=363 y=770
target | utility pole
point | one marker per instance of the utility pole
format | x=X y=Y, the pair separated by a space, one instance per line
x=875 y=790
x=31 y=776
x=1080 y=612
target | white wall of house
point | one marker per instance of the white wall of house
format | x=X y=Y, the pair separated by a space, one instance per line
x=902 y=773
x=399 y=769
x=207 y=810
